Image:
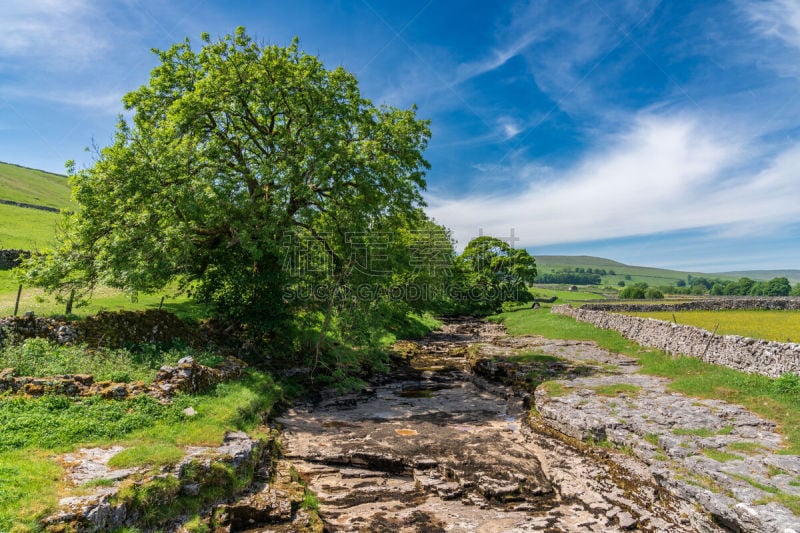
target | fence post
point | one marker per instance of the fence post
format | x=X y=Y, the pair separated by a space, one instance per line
x=16 y=305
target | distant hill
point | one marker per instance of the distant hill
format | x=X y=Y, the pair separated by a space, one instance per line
x=765 y=275
x=36 y=187
x=26 y=228
x=621 y=272
x=649 y=275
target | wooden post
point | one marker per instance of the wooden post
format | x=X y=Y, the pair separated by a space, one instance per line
x=674 y=319
x=713 y=333
x=161 y=304
x=16 y=305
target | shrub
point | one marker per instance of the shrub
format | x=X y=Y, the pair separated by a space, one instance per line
x=653 y=294
x=631 y=292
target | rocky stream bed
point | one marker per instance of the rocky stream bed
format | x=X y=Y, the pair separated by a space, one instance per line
x=459 y=438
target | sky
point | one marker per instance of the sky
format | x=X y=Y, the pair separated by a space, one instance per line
x=651 y=132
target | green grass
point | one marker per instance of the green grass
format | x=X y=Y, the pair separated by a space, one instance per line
x=554 y=388
x=690 y=376
x=43 y=358
x=586 y=293
x=615 y=389
x=778 y=326
x=720 y=456
x=747 y=447
x=30 y=186
x=533 y=357
x=697 y=432
x=30 y=480
x=104 y=299
x=28 y=229
x=29 y=485
x=154 y=454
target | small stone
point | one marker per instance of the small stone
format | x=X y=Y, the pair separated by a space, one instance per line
x=626 y=521
x=189 y=411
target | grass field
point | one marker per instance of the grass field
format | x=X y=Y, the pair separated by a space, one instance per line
x=781 y=326
x=104 y=299
x=28 y=229
x=21 y=184
x=770 y=398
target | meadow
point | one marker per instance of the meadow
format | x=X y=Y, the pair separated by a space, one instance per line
x=31 y=186
x=781 y=326
x=27 y=229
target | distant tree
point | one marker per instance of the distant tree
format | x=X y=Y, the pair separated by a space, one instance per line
x=653 y=294
x=680 y=283
x=628 y=277
x=796 y=290
x=491 y=272
x=632 y=293
x=778 y=287
x=612 y=273
x=718 y=289
x=621 y=283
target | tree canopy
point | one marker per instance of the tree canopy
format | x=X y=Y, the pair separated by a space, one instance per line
x=492 y=272
x=236 y=153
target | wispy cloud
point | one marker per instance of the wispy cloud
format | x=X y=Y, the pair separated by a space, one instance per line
x=61 y=32
x=776 y=18
x=663 y=174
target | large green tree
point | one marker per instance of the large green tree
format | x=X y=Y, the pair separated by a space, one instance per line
x=490 y=272
x=235 y=153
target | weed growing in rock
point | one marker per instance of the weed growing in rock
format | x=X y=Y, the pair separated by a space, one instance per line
x=720 y=456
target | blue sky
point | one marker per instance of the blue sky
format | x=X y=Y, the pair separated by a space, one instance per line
x=661 y=133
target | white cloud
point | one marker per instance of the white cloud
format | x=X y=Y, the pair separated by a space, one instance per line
x=663 y=174
x=777 y=18
x=61 y=32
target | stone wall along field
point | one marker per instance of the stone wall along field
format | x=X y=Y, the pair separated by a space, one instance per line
x=754 y=356
x=11 y=258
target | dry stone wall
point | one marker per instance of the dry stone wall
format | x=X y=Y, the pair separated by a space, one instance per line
x=754 y=356
x=11 y=258
x=710 y=304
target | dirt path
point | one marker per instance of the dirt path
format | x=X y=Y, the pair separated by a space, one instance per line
x=440 y=448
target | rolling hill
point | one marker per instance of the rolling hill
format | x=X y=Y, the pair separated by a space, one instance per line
x=649 y=275
x=36 y=187
x=27 y=228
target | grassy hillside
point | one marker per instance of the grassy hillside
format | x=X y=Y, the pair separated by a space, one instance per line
x=28 y=229
x=622 y=272
x=21 y=184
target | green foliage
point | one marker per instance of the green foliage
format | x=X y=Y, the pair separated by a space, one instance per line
x=42 y=358
x=56 y=422
x=632 y=292
x=491 y=272
x=653 y=294
x=788 y=383
x=261 y=147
